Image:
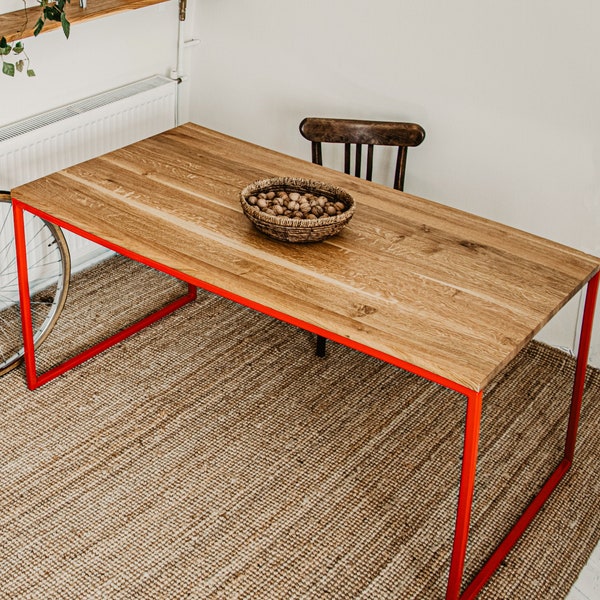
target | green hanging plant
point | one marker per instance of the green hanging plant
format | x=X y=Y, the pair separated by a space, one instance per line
x=18 y=50
x=53 y=11
x=19 y=61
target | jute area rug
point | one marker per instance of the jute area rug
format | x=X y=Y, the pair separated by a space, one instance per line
x=213 y=455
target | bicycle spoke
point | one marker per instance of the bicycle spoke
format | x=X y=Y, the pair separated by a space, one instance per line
x=49 y=269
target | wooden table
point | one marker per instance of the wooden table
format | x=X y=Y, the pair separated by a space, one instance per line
x=440 y=292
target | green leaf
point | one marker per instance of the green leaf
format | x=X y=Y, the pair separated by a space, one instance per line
x=66 y=26
x=30 y=73
x=5 y=50
x=18 y=48
x=3 y=42
x=38 y=26
x=8 y=69
x=52 y=13
x=20 y=64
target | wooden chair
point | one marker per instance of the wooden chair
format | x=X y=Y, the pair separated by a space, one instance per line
x=358 y=133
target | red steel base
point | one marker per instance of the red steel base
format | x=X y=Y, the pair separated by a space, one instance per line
x=33 y=379
x=469 y=462
x=474 y=398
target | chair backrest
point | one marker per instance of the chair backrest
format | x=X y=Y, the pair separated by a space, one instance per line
x=351 y=132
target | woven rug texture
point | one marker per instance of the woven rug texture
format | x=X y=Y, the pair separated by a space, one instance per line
x=214 y=456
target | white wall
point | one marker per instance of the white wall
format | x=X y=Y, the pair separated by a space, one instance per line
x=99 y=55
x=10 y=5
x=508 y=93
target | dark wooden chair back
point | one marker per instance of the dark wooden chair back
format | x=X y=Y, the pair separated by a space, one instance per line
x=356 y=133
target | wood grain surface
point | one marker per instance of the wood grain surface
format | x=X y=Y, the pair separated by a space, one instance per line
x=416 y=281
x=20 y=24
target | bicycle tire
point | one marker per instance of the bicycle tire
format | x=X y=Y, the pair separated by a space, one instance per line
x=49 y=265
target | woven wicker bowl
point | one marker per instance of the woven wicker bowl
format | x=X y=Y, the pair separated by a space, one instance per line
x=297 y=230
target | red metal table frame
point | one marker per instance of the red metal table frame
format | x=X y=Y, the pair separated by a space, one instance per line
x=202 y=177
x=473 y=412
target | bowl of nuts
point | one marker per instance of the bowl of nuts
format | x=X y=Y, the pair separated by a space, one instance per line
x=297 y=210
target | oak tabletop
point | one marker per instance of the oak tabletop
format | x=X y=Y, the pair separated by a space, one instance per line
x=410 y=279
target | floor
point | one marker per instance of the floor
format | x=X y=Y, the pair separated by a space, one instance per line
x=587 y=586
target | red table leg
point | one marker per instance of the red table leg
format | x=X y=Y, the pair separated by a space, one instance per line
x=465 y=494
x=33 y=379
x=582 y=359
x=470 y=458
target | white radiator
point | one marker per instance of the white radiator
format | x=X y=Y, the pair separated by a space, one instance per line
x=68 y=135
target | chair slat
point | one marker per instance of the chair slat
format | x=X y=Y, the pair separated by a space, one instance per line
x=317 y=157
x=357 y=160
x=347 y=158
x=400 y=170
x=369 y=174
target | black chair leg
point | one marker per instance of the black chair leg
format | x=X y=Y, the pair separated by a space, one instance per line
x=321 y=346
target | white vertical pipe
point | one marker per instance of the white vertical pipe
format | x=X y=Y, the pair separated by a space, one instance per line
x=177 y=72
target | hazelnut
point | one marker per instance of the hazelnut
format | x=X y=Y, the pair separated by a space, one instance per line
x=295 y=205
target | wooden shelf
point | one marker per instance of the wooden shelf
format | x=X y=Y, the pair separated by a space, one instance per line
x=12 y=24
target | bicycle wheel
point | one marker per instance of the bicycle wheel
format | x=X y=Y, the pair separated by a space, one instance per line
x=49 y=266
